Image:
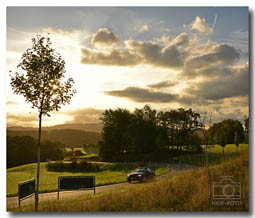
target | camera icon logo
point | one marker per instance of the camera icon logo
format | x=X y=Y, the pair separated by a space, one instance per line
x=226 y=189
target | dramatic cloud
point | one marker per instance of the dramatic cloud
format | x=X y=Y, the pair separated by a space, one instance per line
x=205 y=92
x=136 y=53
x=57 y=31
x=154 y=54
x=86 y=115
x=216 y=61
x=71 y=35
x=143 y=28
x=199 y=24
x=233 y=85
x=148 y=96
x=162 y=85
x=114 y=57
x=143 y=95
x=181 y=39
x=21 y=118
x=105 y=37
x=220 y=54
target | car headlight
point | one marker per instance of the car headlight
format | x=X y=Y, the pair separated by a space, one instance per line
x=139 y=175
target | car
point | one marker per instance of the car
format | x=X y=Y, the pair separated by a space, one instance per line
x=140 y=175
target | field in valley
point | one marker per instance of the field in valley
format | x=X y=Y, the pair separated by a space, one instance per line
x=109 y=173
x=187 y=191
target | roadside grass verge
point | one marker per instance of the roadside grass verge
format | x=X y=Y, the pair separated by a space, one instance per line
x=215 y=155
x=200 y=159
x=109 y=173
x=185 y=192
x=228 y=148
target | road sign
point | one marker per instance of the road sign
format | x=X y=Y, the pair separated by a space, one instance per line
x=76 y=183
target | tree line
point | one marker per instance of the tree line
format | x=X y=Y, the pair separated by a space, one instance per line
x=23 y=150
x=228 y=131
x=147 y=130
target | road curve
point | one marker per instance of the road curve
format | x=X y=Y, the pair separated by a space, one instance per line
x=12 y=202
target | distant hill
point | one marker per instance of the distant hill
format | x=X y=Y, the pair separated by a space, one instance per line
x=69 y=137
x=20 y=128
x=88 y=127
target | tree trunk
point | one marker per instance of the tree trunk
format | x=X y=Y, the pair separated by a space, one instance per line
x=38 y=163
x=206 y=153
x=223 y=153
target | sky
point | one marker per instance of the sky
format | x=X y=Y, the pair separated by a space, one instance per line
x=127 y=57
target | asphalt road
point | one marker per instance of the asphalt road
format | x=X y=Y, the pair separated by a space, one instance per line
x=12 y=202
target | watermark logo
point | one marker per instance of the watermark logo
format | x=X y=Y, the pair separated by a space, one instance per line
x=225 y=191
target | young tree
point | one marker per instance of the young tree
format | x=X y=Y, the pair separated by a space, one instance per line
x=43 y=84
x=220 y=138
x=246 y=130
x=237 y=140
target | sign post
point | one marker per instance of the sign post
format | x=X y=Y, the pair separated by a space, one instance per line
x=76 y=183
x=26 y=189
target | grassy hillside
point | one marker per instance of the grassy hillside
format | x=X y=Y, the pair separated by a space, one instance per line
x=186 y=192
x=109 y=173
x=215 y=155
x=228 y=148
x=69 y=137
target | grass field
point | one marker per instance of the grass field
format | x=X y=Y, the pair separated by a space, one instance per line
x=215 y=155
x=110 y=173
x=187 y=192
x=228 y=148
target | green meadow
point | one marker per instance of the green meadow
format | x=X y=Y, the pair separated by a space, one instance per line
x=109 y=173
x=185 y=192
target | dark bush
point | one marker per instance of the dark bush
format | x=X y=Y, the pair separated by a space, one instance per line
x=23 y=150
x=78 y=153
x=139 y=164
x=74 y=165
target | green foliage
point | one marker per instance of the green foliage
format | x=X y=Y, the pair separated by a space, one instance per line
x=20 y=150
x=187 y=192
x=23 y=150
x=91 y=148
x=246 y=129
x=78 y=153
x=68 y=137
x=70 y=166
x=181 y=125
x=43 y=84
x=116 y=132
x=108 y=173
x=226 y=132
x=146 y=131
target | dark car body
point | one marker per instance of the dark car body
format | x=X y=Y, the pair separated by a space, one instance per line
x=140 y=175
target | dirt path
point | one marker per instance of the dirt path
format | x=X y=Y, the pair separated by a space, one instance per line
x=12 y=202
